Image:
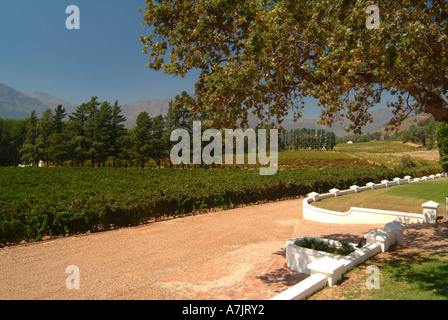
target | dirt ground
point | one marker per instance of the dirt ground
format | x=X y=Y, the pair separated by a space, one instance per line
x=236 y=254
x=432 y=155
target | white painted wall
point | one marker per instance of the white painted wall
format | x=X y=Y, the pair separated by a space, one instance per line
x=326 y=268
x=363 y=215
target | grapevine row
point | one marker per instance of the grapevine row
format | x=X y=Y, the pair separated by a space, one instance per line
x=36 y=203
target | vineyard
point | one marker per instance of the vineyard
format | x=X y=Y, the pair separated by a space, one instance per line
x=375 y=147
x=37 y=203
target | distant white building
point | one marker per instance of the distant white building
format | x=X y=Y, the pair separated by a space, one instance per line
x=350 y=142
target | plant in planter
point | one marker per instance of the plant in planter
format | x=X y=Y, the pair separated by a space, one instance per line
x=320 y=245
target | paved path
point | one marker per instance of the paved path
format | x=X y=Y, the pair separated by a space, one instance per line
x=234 y=254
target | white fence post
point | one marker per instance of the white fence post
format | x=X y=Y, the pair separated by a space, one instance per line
x=335 y=191
x=430 y=211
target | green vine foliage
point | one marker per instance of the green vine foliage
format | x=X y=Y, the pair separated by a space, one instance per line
x=36 y=203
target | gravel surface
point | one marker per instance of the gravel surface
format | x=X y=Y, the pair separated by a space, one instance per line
x=185 y=258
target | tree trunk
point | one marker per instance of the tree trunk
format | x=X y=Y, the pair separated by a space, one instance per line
x=430 y=102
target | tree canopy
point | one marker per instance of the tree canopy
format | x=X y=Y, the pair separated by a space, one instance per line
x=264 y=56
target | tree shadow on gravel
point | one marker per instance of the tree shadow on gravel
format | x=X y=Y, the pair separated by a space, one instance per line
x=432 y=236
x=283 y=276
x=281 y=252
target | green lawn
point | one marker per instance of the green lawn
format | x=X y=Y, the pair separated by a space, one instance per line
x=405 y=275
x=413 y=274
x=416 y=277
x=404 y=198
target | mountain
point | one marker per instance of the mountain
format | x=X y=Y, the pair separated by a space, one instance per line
x=380 y=118
x=16 y=105
x=153 y=107
x=52 y=102
x=407 y=124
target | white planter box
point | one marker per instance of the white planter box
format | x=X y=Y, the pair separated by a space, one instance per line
x=298 y=258
x=327 y=268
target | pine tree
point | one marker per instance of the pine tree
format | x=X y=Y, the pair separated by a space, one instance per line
x=142 y=132
x=77 y=131
x=102 y=132
x=32 y=148
x=89 y=129
x=46 y=126
x=12 y=137
x=118 y=132
x=178 y=115
x=330 y=141
x=58 y=138
x=158 y=146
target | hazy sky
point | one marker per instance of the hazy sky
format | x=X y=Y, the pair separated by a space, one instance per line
x=103 y=58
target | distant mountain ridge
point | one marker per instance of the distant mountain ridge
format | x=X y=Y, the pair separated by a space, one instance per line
x=52 y=102
x=153 y=107
x=380 y=118
x=17 y=105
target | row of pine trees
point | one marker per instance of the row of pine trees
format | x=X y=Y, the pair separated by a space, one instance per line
x=95 y=135
x=307 y=139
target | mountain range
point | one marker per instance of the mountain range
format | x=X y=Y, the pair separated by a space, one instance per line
x=17 y=105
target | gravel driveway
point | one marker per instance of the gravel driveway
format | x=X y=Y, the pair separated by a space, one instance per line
x=233 y=254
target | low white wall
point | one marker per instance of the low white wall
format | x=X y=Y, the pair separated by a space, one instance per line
x=364 y=215
x=298 y=258
x=358 y=215
x=317 y=281
x=331 y=267
x=304 y=288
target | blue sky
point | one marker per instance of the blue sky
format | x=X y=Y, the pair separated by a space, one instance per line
x=103 y=58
